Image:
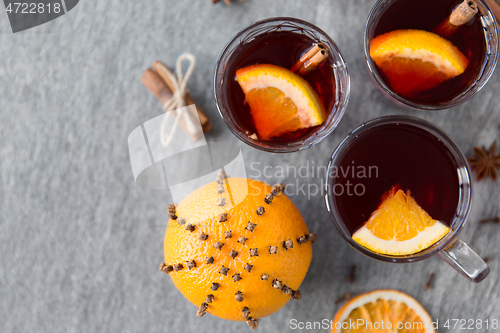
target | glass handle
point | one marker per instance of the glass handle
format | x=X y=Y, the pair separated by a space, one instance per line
x=461 y=257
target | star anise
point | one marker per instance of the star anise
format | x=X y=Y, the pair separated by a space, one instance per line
x=227 y=2
x=486 y=161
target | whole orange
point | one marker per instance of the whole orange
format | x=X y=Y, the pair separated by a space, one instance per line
x=236 y=250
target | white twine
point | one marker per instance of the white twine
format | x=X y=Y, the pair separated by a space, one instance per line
x=178 y=99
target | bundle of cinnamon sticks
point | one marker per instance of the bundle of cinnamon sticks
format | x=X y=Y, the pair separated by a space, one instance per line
x=163 y=89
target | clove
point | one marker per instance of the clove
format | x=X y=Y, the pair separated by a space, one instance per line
x=250 y=226
x=287 y=290
x=181 y=221
x=278 y=189
x=311 y=237
x=190 y=264
x=171 y=212
x=273 y=249
x=242 y=240
x=221 y=201
x=210 y=260
x=178 y=267
x=190 y=227
x=245 y=312
x=223 y=217
x=264 y=277
x=219 y=245
x=254 y=252
x=301 y=240
x=220 y=177
x=428 y=285
x=215 y=286
x=296 y=294
x=277 y=284
x=228 y=234
x=220 y=188
x=209 y=299
x=238 y=296
x=222 y=174
x=352 y=274
x=223 y=270
x=253 y=323
x=248 y=267
x=288 y=244
x=167 y=268
x=203 y=236
x=236 y=277
x=233 y=254
x=202 y=310
x=269 y=198
x=260 y=210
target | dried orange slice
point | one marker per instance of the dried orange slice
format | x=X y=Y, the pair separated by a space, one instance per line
x=280 y=101
x=382 y=311
x=416 y=60
x=399 y=226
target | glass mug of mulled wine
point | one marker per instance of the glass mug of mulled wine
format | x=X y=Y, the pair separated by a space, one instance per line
x=399 y=190
x=281 y=85
x=431 y=54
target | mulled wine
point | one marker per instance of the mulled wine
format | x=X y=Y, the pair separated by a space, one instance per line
x=395 y=155
x=263 y=96
x=281 y=49
x=454 y=64
x=399 y=190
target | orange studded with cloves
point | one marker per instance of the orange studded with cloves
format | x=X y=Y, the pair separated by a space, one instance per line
x=232 y=280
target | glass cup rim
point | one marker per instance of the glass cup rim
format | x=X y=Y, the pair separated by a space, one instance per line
x=304 y=144
x=463 y=97
x=465 y=193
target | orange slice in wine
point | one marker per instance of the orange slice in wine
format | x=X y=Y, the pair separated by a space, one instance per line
x=399 y=226
x=280 y=101
x=416 y=60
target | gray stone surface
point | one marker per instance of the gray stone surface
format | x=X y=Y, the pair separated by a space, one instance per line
x=80 y=243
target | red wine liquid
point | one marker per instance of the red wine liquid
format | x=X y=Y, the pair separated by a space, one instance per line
x=394 y=155
x=282 y=49
x=427 y=15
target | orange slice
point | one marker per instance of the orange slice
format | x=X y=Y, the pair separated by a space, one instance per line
x=382 y=311
x=399 y=226
x=416 y=60
x=280 y=101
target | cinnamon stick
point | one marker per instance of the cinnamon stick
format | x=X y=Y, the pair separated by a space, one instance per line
x=311 y=59
x=160 y=69
x=163 y=93
x=155 y=84
x=460 y=16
